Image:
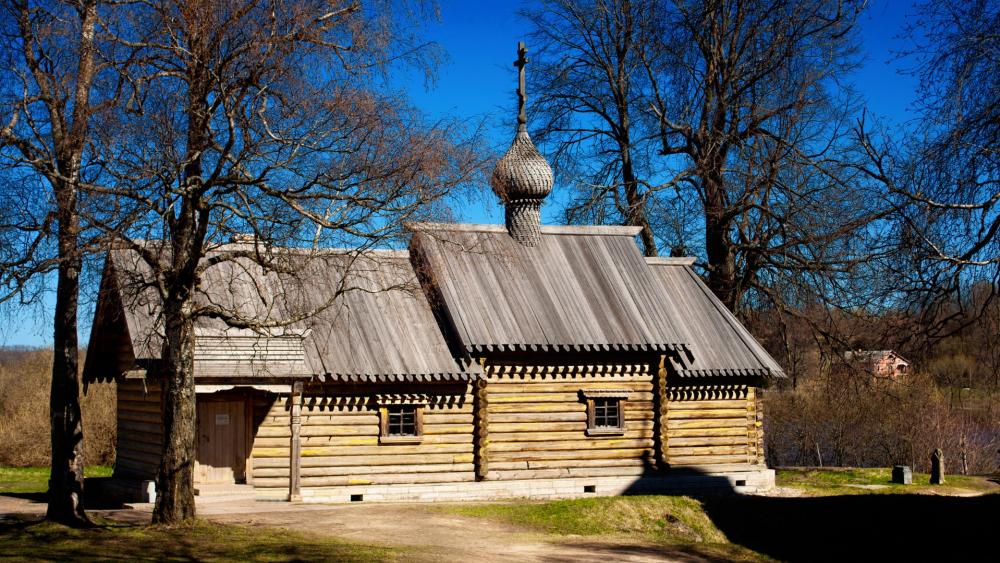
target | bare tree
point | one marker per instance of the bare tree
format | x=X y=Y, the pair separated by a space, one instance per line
x=591 y=98
x=746 y=95
x=741 y=101
x=50 y=70
x=260 y=118
x=946 y=174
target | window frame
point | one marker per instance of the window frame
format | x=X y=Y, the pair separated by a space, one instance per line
x=591 y=397
x=384 y=437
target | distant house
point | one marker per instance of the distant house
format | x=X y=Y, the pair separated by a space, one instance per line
x=880 y=363
x=484 y=361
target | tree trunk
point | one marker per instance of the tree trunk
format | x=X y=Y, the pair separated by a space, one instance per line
x=187 y=229
x=175 y=479
x=66 y=425
x=636 y=215
x=718 y=247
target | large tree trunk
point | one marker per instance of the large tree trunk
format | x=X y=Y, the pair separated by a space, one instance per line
x=636 y=215
x=718 y=246
x=175 y=480
x=66 y=428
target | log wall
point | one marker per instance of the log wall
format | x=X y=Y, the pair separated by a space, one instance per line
x=714 y=425
x=537 y=422
x=340 y=439
x=140 y=429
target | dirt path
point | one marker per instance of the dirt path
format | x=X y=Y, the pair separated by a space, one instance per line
x=432 y=534
x=17 y=505
x=426 y=533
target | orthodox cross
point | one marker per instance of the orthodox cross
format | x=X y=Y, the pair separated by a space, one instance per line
x=522 y=96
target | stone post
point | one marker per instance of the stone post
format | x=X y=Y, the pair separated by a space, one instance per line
x=937 y=467
x=902 y=475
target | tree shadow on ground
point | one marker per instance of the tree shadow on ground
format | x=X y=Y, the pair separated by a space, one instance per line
x=889 y=527
x=603 y=551
x=94 y=495
x=30 y=538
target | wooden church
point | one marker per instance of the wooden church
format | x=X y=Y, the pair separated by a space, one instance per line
x=485 y=361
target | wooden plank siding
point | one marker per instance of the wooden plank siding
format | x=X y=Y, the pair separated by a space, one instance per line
x=140 y=429
x=340 y=438
x=537 y=421
x=706 y=431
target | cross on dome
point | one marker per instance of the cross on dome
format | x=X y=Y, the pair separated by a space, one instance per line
x=522 y=92
x=522 y=178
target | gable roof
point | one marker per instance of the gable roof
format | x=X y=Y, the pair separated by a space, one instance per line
x=373 y=321
x=718 y=342
x=579 y=289
x=873 y=355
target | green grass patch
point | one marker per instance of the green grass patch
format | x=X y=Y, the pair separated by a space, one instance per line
x=848 y=481
x=674 y=520
x=32 y=540
x=36 y=479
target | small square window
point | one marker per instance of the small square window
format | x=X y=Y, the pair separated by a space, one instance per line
x=400 y=424
x=605 y=415
x=402 y=421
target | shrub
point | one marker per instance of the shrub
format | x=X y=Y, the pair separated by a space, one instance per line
x=851 y=421
x=25 y=379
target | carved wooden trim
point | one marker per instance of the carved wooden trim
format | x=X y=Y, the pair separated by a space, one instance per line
x=295 y=451
x=398 y=399
x=610 y=393
x=513 y=370
x=707 y=393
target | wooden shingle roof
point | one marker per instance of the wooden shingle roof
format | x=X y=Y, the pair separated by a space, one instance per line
x=719 y=344
x=579 y=289
x=243 y=353
x=375 y=323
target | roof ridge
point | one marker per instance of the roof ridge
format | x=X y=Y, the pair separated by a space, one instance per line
x=597 y=230
x=670 y=260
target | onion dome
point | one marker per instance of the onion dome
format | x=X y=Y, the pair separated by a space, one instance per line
x=522 y=178
x=522 y=173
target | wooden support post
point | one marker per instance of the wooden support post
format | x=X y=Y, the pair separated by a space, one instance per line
x=758 y=402
x=660 y=421
x=481 y=429
x=751 y=427
x=295 y=451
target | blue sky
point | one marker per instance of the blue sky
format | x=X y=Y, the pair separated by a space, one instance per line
x=477 y=80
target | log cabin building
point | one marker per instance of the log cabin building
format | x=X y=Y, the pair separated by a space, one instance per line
x=483 y=361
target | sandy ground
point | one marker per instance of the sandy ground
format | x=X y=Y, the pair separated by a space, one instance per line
x=431 y=534
x=427 y=533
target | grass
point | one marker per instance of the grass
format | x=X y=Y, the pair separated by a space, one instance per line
x=679 y=522
x=854 y=481
x=33 y=540
x=756 y=528
x=28 y=538
x=36 y=479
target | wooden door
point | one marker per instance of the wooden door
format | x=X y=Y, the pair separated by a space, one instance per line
x=222 y=442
